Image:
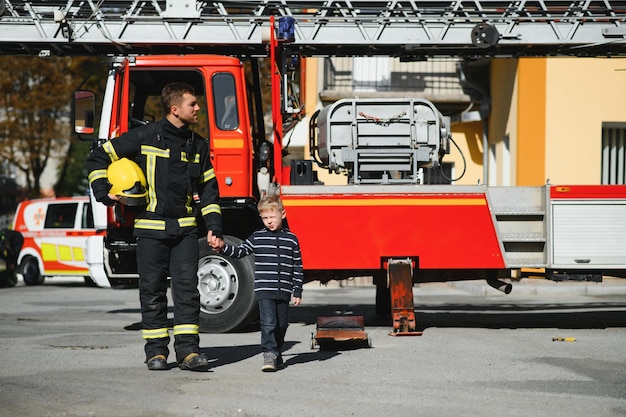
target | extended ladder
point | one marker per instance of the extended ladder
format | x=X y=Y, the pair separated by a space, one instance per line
x=407 y=29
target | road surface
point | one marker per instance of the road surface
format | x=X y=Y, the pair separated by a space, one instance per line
x=72 y=350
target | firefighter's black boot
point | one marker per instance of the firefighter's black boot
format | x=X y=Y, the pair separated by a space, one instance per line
x=194 y=362
x=157 y=363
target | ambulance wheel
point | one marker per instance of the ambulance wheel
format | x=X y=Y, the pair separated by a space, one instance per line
x=30 y=271
x=226 y=286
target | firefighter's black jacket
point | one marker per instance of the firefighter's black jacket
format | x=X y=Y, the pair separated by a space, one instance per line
x=176 y=163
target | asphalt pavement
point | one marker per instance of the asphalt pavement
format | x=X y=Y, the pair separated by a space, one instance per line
x=556 y=349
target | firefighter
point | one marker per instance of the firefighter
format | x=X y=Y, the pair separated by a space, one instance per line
x=177 y=166
x=10 y=246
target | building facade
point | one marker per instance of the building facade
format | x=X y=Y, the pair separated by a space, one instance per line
x=525 y=121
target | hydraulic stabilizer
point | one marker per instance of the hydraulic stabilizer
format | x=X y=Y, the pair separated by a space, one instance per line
x=400 y=277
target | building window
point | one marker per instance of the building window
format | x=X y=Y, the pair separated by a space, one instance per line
x=613 y=153
x=436 y=76
x=371 y=73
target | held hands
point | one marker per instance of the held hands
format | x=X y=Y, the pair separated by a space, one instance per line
x=216 y=243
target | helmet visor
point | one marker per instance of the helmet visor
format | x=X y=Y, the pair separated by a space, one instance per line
x=135 y=196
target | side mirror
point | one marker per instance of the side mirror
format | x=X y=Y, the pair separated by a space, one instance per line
x=84 y=111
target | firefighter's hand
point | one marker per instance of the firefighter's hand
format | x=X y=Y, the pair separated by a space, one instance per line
x=108 y=200
x=216 y=243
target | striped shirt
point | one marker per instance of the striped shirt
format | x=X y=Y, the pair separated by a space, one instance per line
x=277 y=262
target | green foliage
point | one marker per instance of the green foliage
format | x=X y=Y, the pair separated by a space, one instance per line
x=35 y=104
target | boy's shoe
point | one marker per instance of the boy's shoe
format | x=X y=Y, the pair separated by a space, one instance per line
x=194 y=362
x=157 y=363
x=269 y=362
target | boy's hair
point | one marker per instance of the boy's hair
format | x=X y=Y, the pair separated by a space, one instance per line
x=172 y=94
x=269 y=202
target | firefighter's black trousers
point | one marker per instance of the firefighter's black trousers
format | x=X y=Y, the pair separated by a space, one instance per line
x=178 y=258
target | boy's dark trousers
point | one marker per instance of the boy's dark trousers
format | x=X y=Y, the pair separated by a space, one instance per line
x=274 y=320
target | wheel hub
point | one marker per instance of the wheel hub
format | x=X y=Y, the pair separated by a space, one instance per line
x=218 y=284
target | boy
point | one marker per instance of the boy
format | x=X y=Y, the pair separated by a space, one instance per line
x=277 y=276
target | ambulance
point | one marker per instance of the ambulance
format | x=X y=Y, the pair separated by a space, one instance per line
x=55 y=232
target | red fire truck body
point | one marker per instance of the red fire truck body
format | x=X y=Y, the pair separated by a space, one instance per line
x=359 y=229
x=572 y=230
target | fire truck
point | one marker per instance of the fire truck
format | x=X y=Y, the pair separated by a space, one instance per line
x=384 y=222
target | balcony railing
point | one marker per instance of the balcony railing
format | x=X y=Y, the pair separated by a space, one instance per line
x=436 y=79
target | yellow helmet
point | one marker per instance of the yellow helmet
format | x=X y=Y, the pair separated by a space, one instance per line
x=128 y=182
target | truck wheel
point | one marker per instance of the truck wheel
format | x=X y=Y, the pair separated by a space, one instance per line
x=226 y=285
x=30 y=271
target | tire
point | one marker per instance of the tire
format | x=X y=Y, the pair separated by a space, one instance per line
x=226 y=286
x=30 y=271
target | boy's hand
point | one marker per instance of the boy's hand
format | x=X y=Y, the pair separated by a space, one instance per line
x=296 y=301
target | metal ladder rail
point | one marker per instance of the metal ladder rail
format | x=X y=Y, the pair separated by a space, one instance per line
x=389 y=28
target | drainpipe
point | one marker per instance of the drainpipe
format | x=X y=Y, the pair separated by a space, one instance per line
x=484 y=116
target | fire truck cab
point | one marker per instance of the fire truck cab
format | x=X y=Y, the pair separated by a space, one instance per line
x=132 y=98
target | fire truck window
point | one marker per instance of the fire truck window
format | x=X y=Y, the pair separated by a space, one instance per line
x=225 y=102
x=145 y=96
x=61 y=216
